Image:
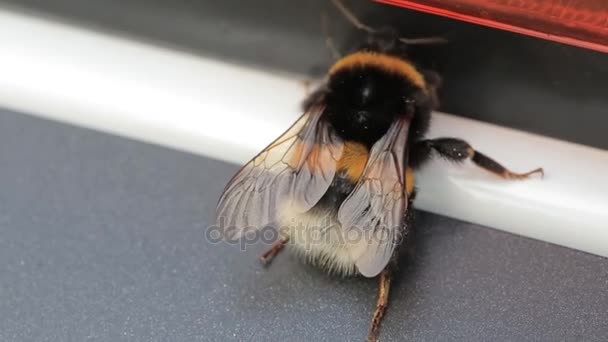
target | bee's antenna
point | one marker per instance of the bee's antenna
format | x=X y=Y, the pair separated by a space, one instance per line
x=351 y=17
x=329 y=41
x=421 y=41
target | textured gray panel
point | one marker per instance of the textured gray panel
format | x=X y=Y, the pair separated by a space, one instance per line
x=102 y=239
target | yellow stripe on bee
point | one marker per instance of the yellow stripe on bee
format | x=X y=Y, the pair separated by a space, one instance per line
x=353 y=160
x=389 y=63
x=409 y=180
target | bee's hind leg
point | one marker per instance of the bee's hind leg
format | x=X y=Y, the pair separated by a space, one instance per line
x=458 y=150
x=273 y=251
x=384 y=284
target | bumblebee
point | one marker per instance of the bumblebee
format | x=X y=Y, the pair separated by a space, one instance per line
x=339 y=183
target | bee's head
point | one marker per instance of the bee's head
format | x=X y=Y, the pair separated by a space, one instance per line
x=385 y=40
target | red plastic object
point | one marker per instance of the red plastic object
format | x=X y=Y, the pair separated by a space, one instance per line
x=582 y=23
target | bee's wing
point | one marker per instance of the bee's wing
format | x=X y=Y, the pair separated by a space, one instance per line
x=294 y=171
x=375 y=209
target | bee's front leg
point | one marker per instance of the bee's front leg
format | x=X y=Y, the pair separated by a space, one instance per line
x=384 y=284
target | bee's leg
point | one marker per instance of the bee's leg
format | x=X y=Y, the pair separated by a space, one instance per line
x=273 y=251
x=384 y=284
x=459 y=150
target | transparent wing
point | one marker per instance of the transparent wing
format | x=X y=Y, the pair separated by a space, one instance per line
x=294 y=171
x=377 y=205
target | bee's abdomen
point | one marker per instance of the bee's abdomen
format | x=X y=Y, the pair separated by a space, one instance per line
x=317 y=235
x=349 y=169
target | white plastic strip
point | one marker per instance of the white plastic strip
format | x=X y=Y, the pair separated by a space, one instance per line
x=230 y=112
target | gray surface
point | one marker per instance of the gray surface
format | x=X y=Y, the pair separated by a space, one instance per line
x=489 y=75
x=102 y=239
